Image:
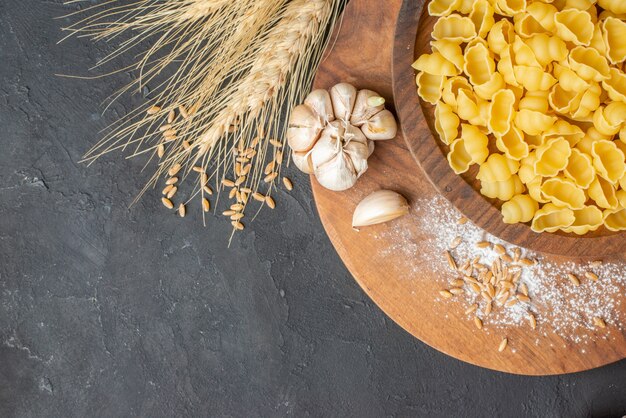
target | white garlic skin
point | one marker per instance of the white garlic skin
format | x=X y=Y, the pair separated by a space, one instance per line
x=379 y=207
x=305 y=127
x=302 y=160
x=343 y=96
x=362 y=110
x=381 y=126
x=337 y=174
x=320 y=101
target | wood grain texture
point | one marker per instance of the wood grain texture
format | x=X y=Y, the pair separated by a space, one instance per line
x=404 y=287
x=463 y=191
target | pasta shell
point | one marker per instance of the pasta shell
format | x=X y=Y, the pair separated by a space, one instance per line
x=608 y=160
x=524 y=55
x=451 y=88
x=459 y=159
x=614 y=31
x=501 y=35
x=535 y=100
x=587 y=219
x=615 y=220
x=615 y=85
x=497 y=168
x=547 y=49
x=487 y=90
x=503 y=190
x=572 y=133
x=592 y=135
x=533 y=123
x=563 y=101
x=569 y=80
x=435 y=64
x=603 y=193
x=442 y=7
x=544 y=14
x=476 y=143
x=455 y=28
x=510 y=7
x=607 y=122
x=429 y=87
x=526 y=25
x=478 y=64
x=533 y=78
x=501 y=112
x=446 y=123
x=451 y=51
x=563 y=192
x=580 y=169
x=521 y=208
x=482 y=16
x=574 y=25
x=588 y=64
x=526 y=171
x=534 y=189
x=597 y=40
x=512 y=144
x=552 y=157
x=551 y=218
x=615 y=6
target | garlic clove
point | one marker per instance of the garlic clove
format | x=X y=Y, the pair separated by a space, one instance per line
x=380 y=206
x=337 y=174
x=304 y=129
x=357 y=148
x=368 y=103
x=328 y=146
x=320 y=102
x=381 y=126
x=343 y=96
x=371 y=146
x=302 y=160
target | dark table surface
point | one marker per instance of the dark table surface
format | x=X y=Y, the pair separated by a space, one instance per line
x=111 y=311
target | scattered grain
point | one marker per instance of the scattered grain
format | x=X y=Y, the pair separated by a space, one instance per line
x=288 y=184
x=483 y=244
x=478 y=322
x=167 y=203
x=206 y=205
x=599 y=322
x=270 y=202
x=172 y=192
x=237 y=225
x=228 y=183
x=450 y=260
x=591 y=276
x=153 y=110
x=174 y=170
x=573 y=279
x=471 y=309
x=182 y=210
x=455 y=243
x=445 y=294
x=503 y=345
x=172 y=180
x=271 y=177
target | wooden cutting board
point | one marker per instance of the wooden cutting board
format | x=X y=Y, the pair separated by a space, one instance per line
x=392 y=262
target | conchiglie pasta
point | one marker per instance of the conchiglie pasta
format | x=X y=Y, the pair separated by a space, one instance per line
x=603 y=193
x=451 y=88
x=544 y=14
x=533 y=78
x=615 y=85
x=587 y=219
x=615 y=220
x=614 y=31
x=615 y=6
x=442 y=7
x=536 y=97
x=547 y=48
x=478 y=64
x=533 y=123
x=446 y=122
x=429 y=87
x=552 y=157
x=501 y=112
x=476 y=143
x=455 y=28
x=435 y=64
x=563 y=192
x=501 y=35
x=482 y=16
x=574 y=25
x=551 y=218
x=521 y=208
x=608 y=160
x=512 y=144
x=497 y=168
x=503 y=190
x=459 y=159
x=588 y=64
x=451 y=51
x=580 y=169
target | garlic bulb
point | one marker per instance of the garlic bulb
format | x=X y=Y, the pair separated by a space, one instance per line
x=380 y=206
x=332 y=134
x=339 y=157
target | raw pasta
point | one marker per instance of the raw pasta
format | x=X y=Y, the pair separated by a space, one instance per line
x=534 y=93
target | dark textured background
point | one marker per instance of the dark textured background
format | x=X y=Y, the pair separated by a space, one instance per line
x=107 y=311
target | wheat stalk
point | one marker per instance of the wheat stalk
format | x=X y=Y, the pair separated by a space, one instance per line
x=240 y=66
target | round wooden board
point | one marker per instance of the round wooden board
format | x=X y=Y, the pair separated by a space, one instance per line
x=403 y=286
